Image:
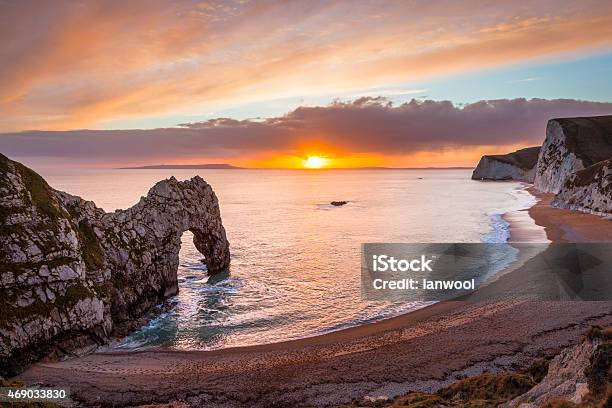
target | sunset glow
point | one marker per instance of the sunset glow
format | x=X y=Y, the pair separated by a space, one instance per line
x=315 y=162
x=316 y=90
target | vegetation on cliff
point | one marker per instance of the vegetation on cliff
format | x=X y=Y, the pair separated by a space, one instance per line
x=512 y=389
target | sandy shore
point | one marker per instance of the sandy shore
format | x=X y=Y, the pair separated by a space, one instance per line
x=419 y=351
x=422 y=350
x=522 y=226
x=568 y=226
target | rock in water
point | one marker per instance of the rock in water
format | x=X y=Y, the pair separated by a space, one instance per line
x=519 y=165
x=588 y=190
x=572 y=144
x=72 y=275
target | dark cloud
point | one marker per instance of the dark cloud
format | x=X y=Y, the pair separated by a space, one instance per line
x=366 y=125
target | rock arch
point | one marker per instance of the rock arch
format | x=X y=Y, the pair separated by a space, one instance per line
x=72 y=274
x=150 y=232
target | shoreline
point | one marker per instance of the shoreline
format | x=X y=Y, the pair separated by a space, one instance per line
x=522 y=226
x=417 y=351
x=544 y=223
x=563 y=225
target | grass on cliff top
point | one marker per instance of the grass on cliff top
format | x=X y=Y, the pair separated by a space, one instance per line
x=40 y=192
x=481 y=391
x=489 y=390
x=42 y=198
x=90 y=247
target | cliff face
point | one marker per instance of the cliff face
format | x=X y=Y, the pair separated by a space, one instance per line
x=72 y=275
x=519 y=165
x=572 y=144
x=588 y=190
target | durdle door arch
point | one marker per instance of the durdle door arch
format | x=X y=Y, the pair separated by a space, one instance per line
x=73 y=275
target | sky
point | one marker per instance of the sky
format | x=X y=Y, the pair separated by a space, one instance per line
x=269 y=83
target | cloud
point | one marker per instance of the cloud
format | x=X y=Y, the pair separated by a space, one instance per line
x=388 y=92
x=69 y=64
x=368 y=125
x=530 y=79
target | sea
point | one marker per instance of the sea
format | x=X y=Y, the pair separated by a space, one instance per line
x=295 y=258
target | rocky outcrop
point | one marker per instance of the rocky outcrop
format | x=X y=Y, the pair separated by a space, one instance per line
x=72 y=275
x=519 y=165
x=579 y=375
x=572 y=144
x=566 y=379
x=588 y=190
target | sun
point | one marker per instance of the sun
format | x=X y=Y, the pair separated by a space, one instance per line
x=315 y=162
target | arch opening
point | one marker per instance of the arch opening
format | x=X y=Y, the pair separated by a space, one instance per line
x=214 y=250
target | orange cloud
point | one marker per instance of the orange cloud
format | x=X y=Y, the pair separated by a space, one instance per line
x=67 y=65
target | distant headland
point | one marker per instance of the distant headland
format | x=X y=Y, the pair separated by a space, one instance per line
x=183 y=166
x=230 y=167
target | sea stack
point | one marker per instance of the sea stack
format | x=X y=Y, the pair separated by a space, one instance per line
x=519 y=166
x=72 y=275
x=572 y=144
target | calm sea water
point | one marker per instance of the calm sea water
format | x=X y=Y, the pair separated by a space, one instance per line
x=295 y=268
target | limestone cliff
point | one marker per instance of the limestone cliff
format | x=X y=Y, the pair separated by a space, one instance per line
x=72 y=275
x=519 y=165
x=588 y=190
x=572 y=144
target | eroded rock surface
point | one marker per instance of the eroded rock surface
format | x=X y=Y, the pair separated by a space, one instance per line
x=572 y=144
x=578 y=373
x=72 y=275
x=588 y=190
x=519 y=165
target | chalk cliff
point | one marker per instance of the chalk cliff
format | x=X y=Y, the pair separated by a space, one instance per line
x=588 y=190
x=572 y=144
x=72 y=275
x=519 y=165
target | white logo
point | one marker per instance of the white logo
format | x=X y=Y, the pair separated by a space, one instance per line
x=384 y=263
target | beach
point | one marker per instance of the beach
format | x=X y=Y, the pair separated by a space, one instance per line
x=423 y=350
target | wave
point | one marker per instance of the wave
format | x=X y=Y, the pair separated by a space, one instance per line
x=500 y=228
